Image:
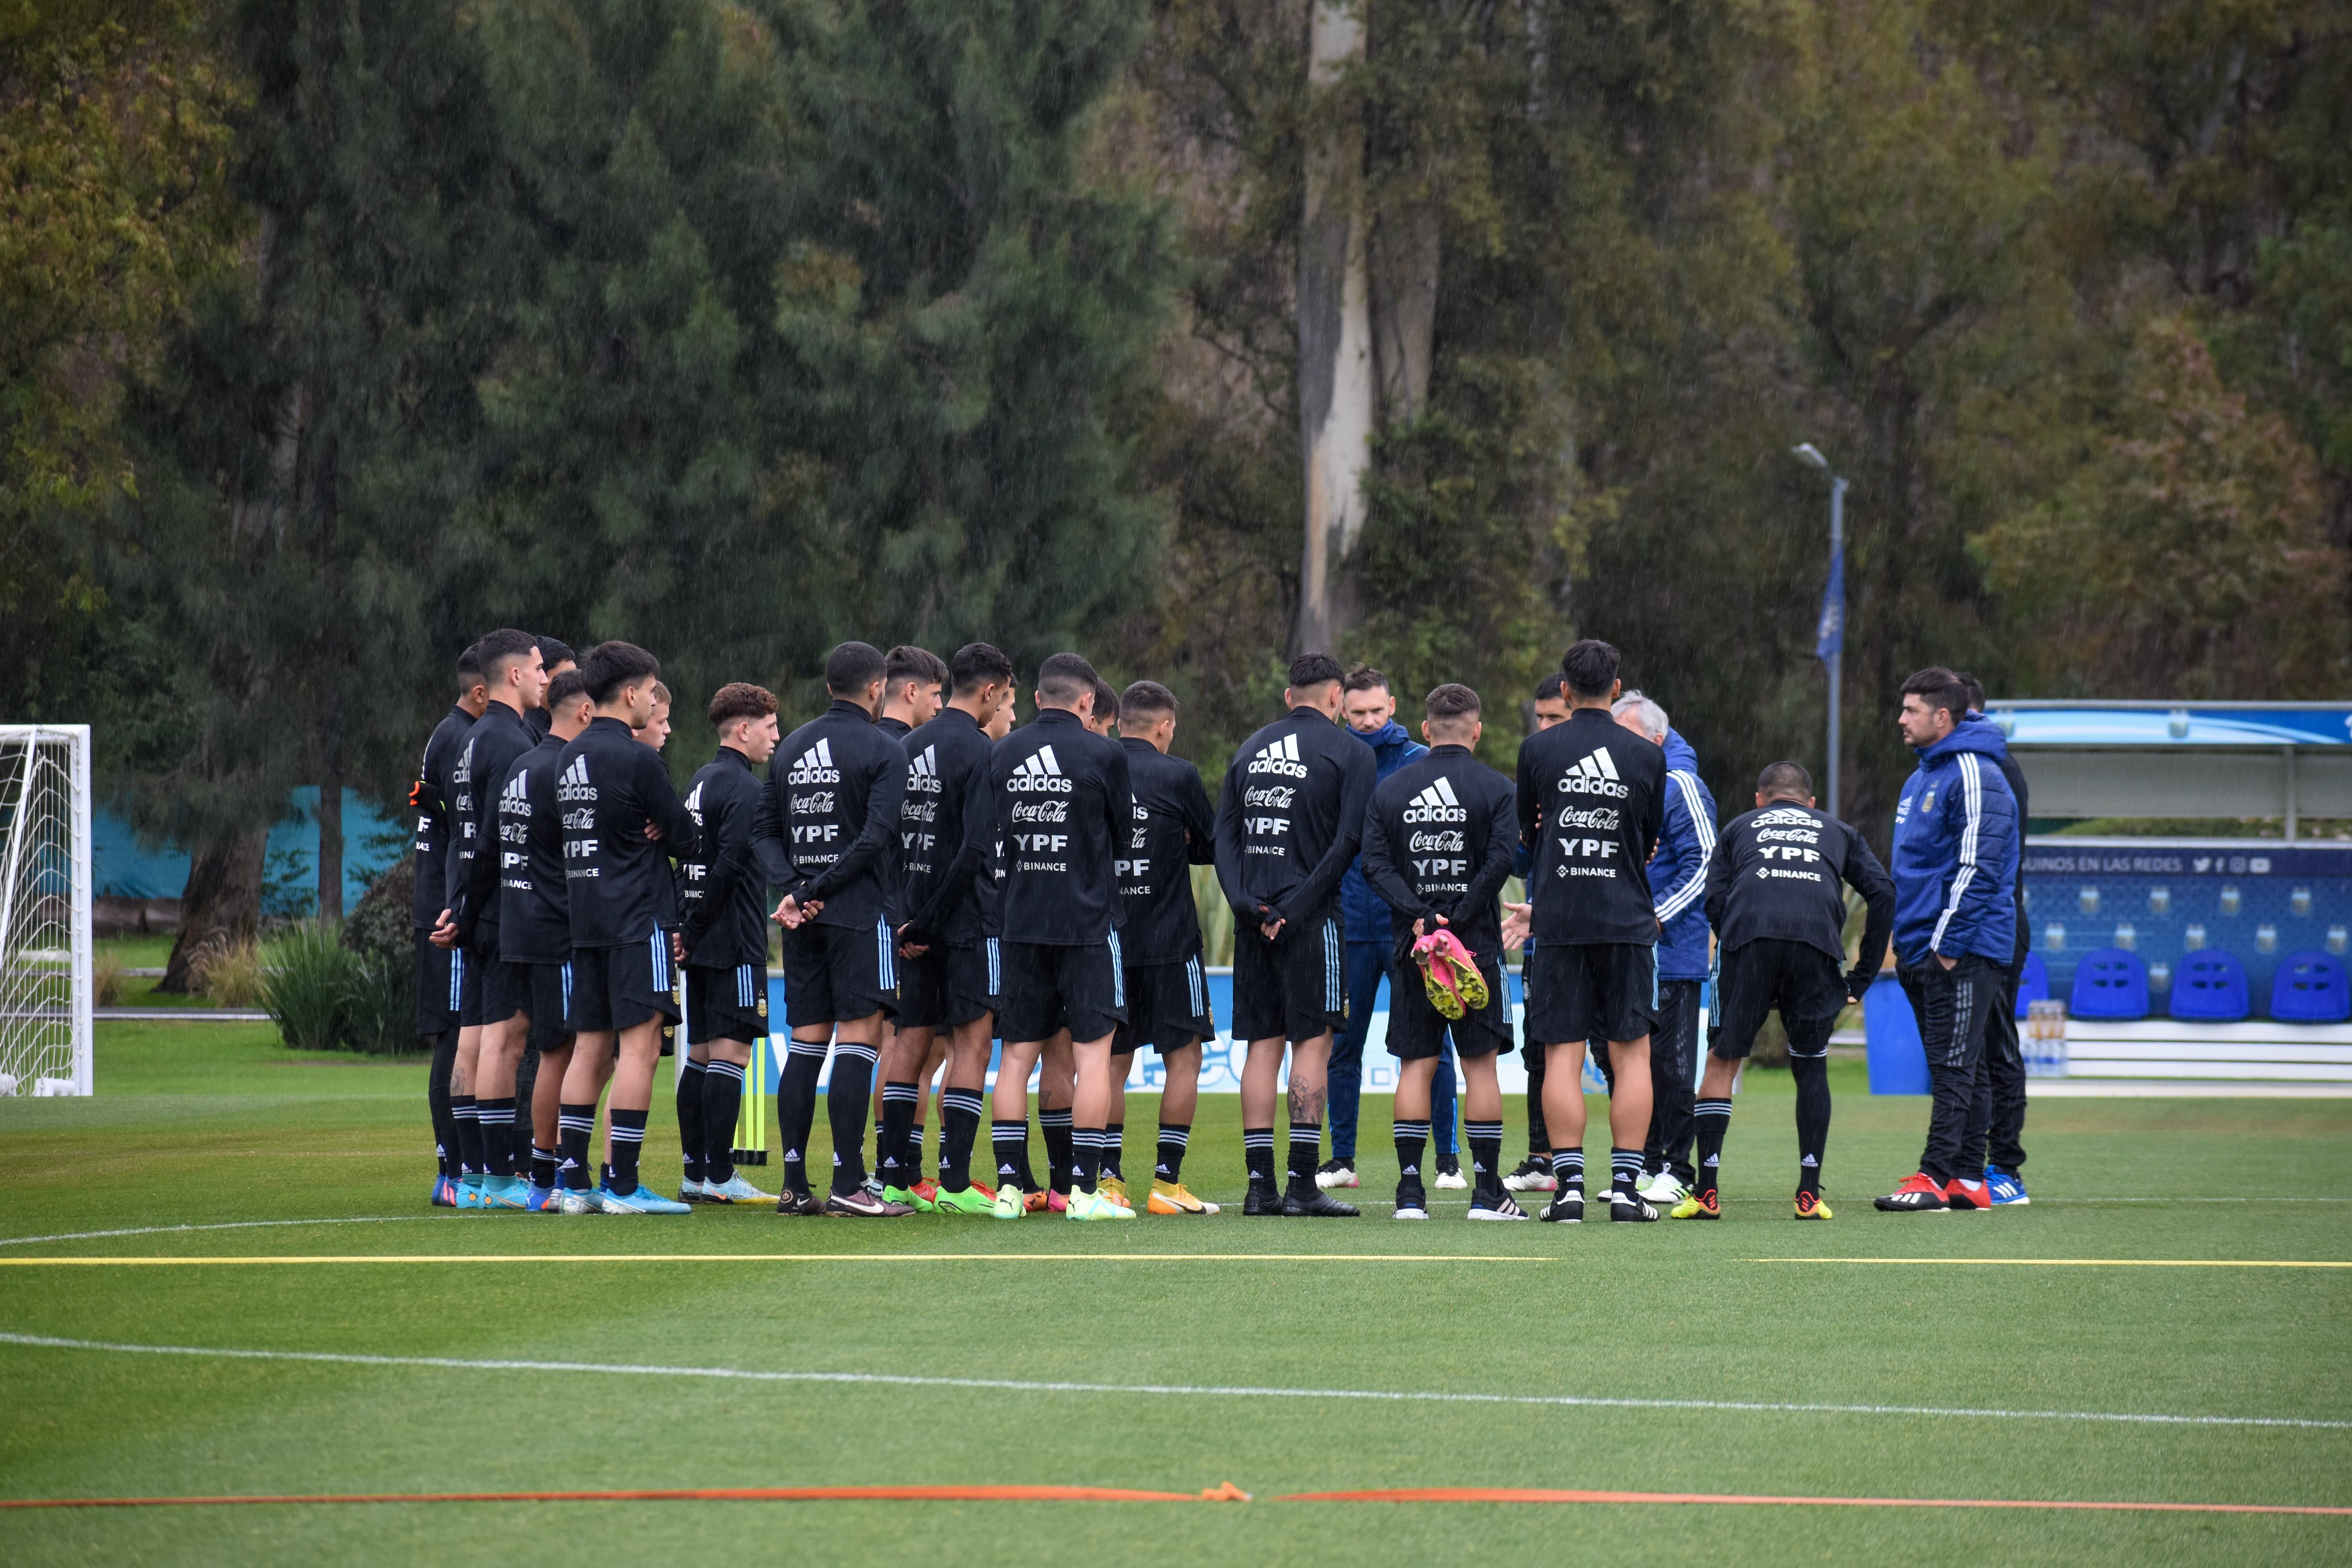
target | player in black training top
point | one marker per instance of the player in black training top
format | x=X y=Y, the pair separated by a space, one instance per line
x=1438 y=843
x=948 y=959
x=438 y=974
x=1591 y=804
x=827 y=835
x=535 y=922
x=1288 y=822
x=723 y=930
x=1174 y=829
x=1062 y=810
x=913 y=683
x=556 y=658
x=622 y=823
x=1775 y=895
x=490 y=1049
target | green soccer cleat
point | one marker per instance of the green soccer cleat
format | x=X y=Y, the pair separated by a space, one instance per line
x=1095 y=1205
x=975 y=1200
x=1012 y=1203
x=907 y=1197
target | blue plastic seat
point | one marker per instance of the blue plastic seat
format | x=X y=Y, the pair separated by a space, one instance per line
x=1898 y=1061
x=2111 y=983
x=2210 y=988
x=2033 y=983
x=2311 y=988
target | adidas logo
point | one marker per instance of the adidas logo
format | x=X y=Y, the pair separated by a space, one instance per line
x=1786 y=816
x=1438 y=802
x=1596 y=774
x=1042 y=772
x=923 y=772
x=1279 y=757
x=515 y=796
x=814 y=766
x=573 y=784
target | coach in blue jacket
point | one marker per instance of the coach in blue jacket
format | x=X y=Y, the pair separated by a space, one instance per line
x=1955 y=865
x=1678 y=892
x=1369 y=706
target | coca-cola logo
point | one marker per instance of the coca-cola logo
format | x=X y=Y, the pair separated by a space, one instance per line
x=1447 y=843
x=1279 y=796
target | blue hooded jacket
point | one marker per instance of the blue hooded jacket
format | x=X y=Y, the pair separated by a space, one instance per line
x=1678 y=870
x=1957 y=839
x=1363 y=913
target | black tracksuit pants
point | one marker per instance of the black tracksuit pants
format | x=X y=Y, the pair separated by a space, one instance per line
x=1997 y=1121
x=1954 y=1006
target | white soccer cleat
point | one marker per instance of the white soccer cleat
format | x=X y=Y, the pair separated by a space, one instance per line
x=1665 y=1190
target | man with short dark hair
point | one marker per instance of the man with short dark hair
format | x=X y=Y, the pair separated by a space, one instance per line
x=949 y=960
x=556 y=658
x=914 y=684
x=1551 y=702
x=1533 y=1174
x=1438 y=838
x=489 y=1047
x=1775 y=896
x=621 y=822
x=1289 y=818
x=1955 y=865
x=439 y=969
x=1173 y=830
x=723 y=932
x=1678 y=884
x=1591 y=804
x=827 y=835
x=535 y=922
x=1997 y=1124
x=1064 y=800
x=1368 y=706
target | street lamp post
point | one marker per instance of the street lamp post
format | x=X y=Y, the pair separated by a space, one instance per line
x=1829 y=644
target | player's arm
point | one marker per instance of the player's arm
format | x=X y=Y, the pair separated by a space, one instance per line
x=1118 y=801
x=1229 y=850
x=1499 y=866
x=1975 y=877
x=1527 y=805
x=1719 y=875
x=768 y=846
x=480 y=882
x=1379 y=870
x=1355 y=804
x=1200 y=821
x=1865 y=876
x=1691 y=834
x=727 y=843
x=680 y=835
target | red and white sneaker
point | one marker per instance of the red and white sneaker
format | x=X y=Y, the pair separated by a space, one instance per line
x=1964 y=1192
x=1917 y=1194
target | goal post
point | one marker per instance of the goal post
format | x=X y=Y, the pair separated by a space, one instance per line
x=45 y=952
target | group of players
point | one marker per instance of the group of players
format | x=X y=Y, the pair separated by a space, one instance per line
x=945 y=881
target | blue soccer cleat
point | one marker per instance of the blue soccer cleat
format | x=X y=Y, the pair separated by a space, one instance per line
x=445 y=1193
x=469 y=1191
x=542 y=1200
x=645 y=1200
x=505 y=1193
x=2007 y=1188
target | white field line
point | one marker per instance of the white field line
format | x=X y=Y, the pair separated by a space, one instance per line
x=168 y=1229
x=1418 y=1396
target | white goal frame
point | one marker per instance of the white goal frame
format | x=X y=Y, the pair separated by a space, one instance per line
x=46 y=950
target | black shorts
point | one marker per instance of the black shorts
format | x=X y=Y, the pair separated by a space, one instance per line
x=1806 y=985
x=835 y=974
x=1417 y=1029
x=1591 y=991
x=1294 y=988
x=506 y=990
x=948 y=986
x=438 y=1003
x=726 y=1003
x=1167 y=1008
x=546 y=992
x=1048 y=988
x=621 y=987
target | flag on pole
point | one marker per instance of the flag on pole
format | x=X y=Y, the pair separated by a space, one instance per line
x=1829 y=637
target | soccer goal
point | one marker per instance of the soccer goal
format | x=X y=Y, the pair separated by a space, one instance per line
x=45 y=890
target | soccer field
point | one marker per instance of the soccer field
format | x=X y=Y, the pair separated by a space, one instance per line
x=2009 y=1356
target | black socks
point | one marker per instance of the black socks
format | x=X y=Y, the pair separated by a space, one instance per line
x=469 y=1134
x=1114 y=1150
x=847 y=1097
x=1710 y=1120
x=575 y=1125
x=1625 y=1171
x=1411 y=1144
x=797 y=1109
x=1812 y=1076
x=495 y=1118
x=1486 y=1140
x=1011 y=1140
x=1086 y=1146
x=1568 y=1168
x=900 y=1101
x=1060 y=1154
x=958 y=1130
x=1170 y=1166
x=689 y=1118
x=723 y=1104
x=436 y=1100
x=1257 y=1152
x=1306 y=1149
x=628 y=1130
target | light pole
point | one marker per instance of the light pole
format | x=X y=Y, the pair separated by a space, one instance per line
x=1829 y=639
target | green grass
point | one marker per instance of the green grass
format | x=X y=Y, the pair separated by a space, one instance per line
x=209 y=1124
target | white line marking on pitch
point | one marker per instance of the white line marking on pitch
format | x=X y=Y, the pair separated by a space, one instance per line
x=902 y=1380
x=234 y=1225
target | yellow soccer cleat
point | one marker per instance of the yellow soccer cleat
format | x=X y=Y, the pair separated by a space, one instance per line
x=1810 y=1206
x=1171 y=1198
x=1115 y=1189
x=1697 y=1206
x=1095 y=1205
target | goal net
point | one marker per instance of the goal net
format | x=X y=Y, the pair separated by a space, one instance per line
x=45 y=892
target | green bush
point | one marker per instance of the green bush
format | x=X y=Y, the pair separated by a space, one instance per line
x=380 y=1005
x=306 y=983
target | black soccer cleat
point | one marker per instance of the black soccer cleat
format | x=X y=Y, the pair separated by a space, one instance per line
x=1317 y=1204
x=1567 y=1207
x=1631 y=1207
x=791 y=1203
x=1262 y=1201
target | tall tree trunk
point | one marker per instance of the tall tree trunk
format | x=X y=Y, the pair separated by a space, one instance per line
x=220 y=909
x=1335 y=346
x=331 y=849
x=1404 y=262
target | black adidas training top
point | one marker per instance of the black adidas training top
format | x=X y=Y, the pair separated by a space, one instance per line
x=827 y=829
x=1172 y=830
x=534 y=924
x=1776 y=873
x=1063 y=800
x=610 y=786
x=724 y=921
x=1290 y=817
x=499 y=740
x=429 y=798
x=945 y=828
x=1438 y=840
x=1601 y=791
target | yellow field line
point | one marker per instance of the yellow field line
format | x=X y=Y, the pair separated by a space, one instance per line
x=2083 y=1262
x=777 y=1258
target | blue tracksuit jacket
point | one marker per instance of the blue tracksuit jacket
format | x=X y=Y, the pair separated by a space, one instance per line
x=1678 y=870
x=1956 y=838
x=1363 y=913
